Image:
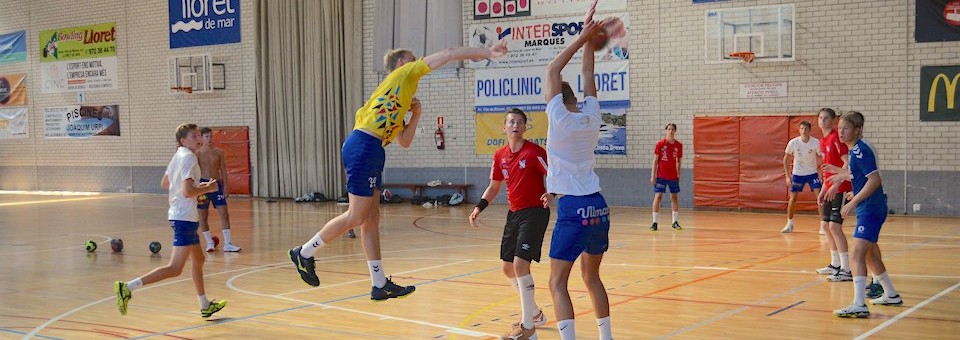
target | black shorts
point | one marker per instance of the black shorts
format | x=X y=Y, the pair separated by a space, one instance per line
x=831 y=208
x=523 y=234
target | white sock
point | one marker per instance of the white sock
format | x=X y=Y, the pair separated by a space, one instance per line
x=876 y=280
x=204 y=303
x=376 y=273
x=311 y=246
x=676 y=215
x=656 y=217
x=859 y=284
x=226 y=237
x=566 y=328
x=834 y=258
x=513 y=282
x=527 y=302
x=845 y=262
x=206 y=236
x=887 y=285
x=604 y=325
x=789 y=221
x=134 y=284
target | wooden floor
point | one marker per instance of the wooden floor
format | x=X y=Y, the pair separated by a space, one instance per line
x=726 y=275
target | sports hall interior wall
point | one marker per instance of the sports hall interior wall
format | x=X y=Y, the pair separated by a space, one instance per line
x=149 y=113
x=850 y=56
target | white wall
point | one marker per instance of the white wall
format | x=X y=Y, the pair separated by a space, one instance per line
x=148 y=112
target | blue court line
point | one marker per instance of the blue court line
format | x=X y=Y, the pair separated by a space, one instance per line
x=785 y=308
x=25 y=333
x=301 y=307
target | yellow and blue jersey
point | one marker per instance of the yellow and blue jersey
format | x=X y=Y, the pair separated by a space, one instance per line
x=384 y=112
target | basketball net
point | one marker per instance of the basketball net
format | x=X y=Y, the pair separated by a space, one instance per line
x=746 y=57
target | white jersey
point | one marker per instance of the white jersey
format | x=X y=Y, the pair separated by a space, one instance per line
x=183 y=166
x=571 y=140
x=804 y=155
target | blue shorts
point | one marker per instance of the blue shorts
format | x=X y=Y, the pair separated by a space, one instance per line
x=662 y=184
x=869 y=223
x=184 y=233
x=583 y=224
x=800 y=181
x=363 y=158
x=216 y=197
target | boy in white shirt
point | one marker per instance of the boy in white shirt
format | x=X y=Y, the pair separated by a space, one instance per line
x=804 y=150
x=182 y=179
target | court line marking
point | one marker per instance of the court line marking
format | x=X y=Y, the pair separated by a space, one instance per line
x=365 y=280
x=10 y=204
x=785 y=308
x=889 y=322
x=328 y=305
x=49 y=322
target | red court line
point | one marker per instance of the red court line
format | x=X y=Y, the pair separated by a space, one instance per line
x=89 y=323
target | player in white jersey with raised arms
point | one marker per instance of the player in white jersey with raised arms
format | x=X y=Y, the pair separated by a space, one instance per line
x=583 y=224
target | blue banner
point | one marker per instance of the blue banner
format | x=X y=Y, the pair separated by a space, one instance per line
x=13 y=47
x=204 y=22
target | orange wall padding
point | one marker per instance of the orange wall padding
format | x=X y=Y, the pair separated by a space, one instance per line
x=738 y=161
x=235 y=143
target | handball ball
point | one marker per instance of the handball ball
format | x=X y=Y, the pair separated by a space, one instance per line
x=90 y=246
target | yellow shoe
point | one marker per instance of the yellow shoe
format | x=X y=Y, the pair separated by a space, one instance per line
x=123 y=296
x=215 y=306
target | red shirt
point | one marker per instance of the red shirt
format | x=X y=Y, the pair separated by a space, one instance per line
x=524 y=172
x=832 y=150
x=667 y=156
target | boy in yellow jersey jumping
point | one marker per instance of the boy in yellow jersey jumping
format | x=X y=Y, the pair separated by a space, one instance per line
x=378 y=123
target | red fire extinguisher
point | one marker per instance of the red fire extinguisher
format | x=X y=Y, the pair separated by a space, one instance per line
x=438 y=136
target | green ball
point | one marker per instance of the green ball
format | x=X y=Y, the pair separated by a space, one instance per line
x=155 y=247
x=90 y=246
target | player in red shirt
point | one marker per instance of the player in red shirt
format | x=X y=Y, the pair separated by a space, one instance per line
x=833 y=197
x=666 y=173
x=523 y=165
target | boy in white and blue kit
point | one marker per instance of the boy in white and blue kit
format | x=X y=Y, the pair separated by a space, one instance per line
x=871 y=206
x=583 y=223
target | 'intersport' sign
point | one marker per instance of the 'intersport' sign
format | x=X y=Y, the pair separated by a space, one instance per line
x=204 y=22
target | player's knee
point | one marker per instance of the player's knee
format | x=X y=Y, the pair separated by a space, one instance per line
x=557 y=284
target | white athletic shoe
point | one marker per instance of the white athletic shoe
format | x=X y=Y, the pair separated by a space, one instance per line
x=821 y=232
x=230 y=248
x=209 y=247
x=787 y=229
x=828 y=270
x=538 y=320
x=887 y=300
x=852 y=311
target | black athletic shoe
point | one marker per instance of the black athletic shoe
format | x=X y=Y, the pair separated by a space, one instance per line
x=653 y=227
x=305 y=267
x=390 y=290
x=676 y=226
x=874 y=290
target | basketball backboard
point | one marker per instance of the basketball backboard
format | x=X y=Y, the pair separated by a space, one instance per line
x=191 y=73
x=766 y=31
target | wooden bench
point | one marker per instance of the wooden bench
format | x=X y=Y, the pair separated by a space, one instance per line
x=417 y=189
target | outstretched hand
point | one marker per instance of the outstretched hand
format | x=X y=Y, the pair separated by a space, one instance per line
x=593 y=8
x=499 y=50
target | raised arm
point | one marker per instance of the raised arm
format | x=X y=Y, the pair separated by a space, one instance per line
x=442 y=57
x=586 y=68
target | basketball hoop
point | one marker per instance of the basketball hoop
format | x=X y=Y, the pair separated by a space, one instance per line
x=747 y=57
x=187 y=89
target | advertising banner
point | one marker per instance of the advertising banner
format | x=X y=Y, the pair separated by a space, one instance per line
x=13 y=47
x=535 y=42
x=500 y=89
x=14 y=123
x=81 y=121
x=13 y=89
x=204 y=22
